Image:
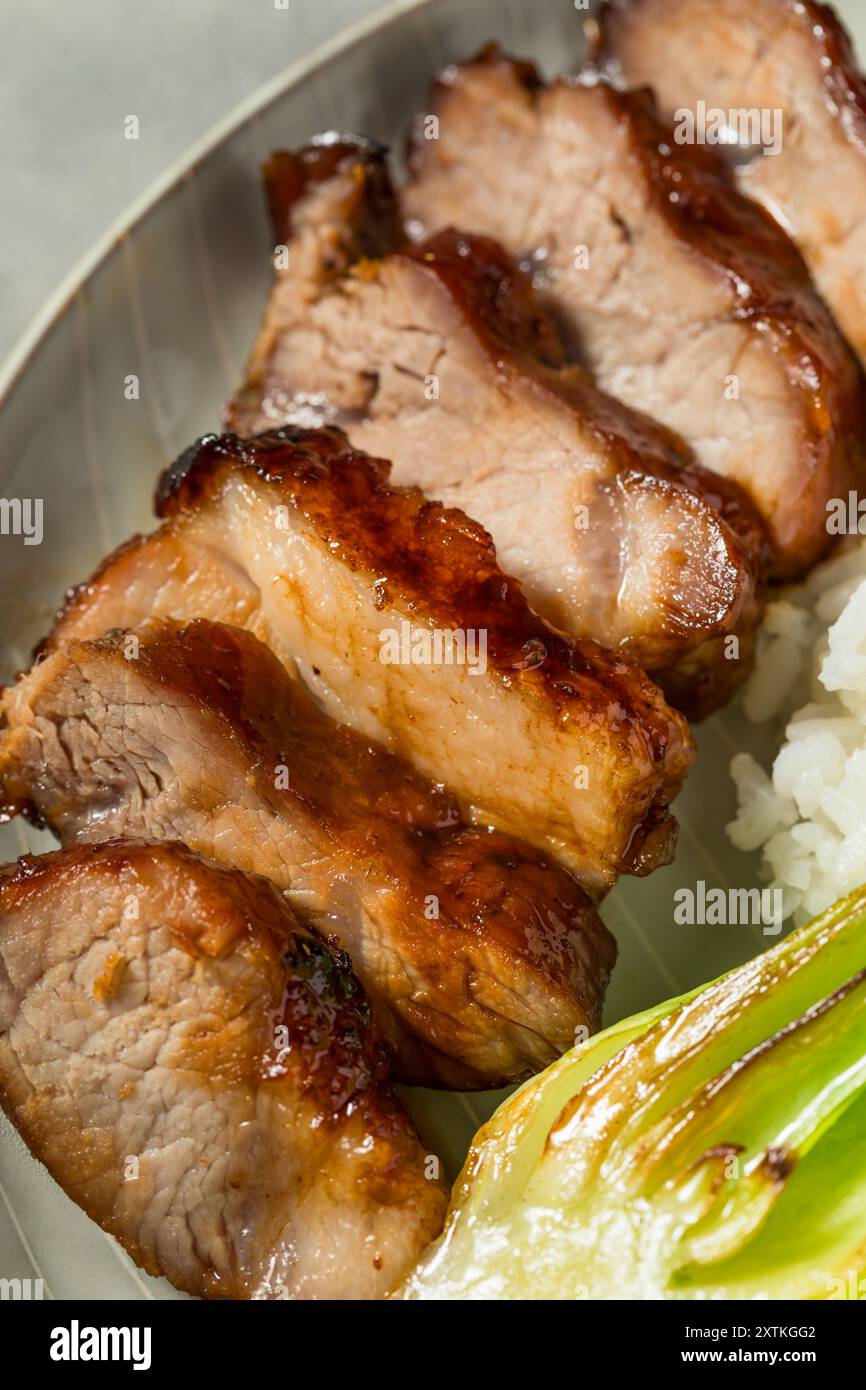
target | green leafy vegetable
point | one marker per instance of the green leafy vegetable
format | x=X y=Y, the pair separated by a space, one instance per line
x=713 y=1147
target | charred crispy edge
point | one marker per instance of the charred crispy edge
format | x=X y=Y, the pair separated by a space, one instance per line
x=371 y=228
x=844 y=84
x=440 y=563
x=290 y=175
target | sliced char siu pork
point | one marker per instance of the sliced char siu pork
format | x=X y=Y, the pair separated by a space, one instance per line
x=482 y=958
x=767 y=56
x=685 y=299
x=438 y=358
x=201 y=1075
x=395 y=612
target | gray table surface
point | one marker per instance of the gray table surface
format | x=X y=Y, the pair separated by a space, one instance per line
x=74 y=69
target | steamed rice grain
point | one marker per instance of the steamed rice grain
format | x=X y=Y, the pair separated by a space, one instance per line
x=808 y=812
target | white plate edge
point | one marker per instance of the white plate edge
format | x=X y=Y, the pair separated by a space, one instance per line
x=164 y=184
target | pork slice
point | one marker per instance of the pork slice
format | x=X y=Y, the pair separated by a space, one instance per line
x=757 y=58
x=395 y=612
x=331 y=204
x=439 y=358
x=483 y=959
x=200 y=1074
x=685 y=299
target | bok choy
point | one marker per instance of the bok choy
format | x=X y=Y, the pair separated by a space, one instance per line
x=713 y=1147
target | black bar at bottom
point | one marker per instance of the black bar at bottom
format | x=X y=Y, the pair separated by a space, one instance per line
x=155 y=1338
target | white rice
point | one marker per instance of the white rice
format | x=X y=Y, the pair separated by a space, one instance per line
x=808 y=813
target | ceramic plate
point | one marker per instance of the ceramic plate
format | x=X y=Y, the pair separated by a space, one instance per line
x=172 y=297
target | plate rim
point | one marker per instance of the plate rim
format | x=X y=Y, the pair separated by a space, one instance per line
x=60 y=299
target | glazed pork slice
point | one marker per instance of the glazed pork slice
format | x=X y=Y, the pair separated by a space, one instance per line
x=330 y=206
x=201 y=1075
x=483 y=960
x=439 y=358
x=685 y=299
x=789 y=65
x=395 y=612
